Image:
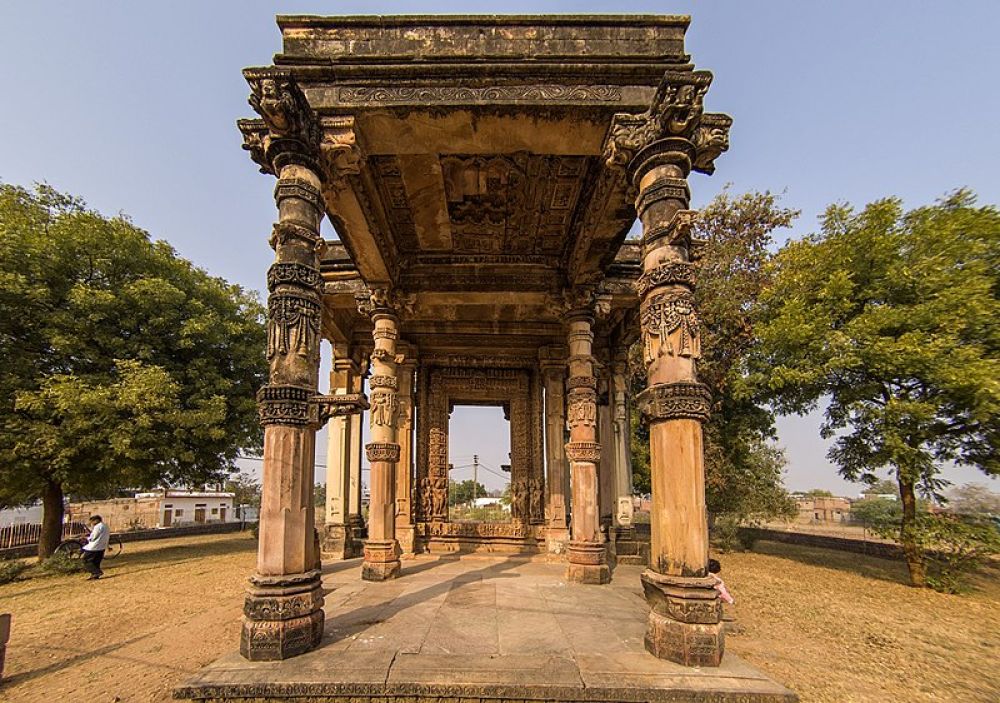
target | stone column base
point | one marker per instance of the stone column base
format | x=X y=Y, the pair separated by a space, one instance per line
x=556 y=539
x=358 y=527
x=587 y=563
x=381 y=561
x=684 y=619
x=283 y=616
x=406 y=536
x=339 y=542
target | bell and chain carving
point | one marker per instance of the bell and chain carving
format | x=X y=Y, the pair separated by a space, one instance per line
x=670 y=324
x=293 y=323
x=671 y=401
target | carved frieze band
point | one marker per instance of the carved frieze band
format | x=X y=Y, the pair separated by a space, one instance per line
x=672 y=401
x=382 y=451
x=473 y=94
x=289 y=231
x=380 y=381
x=284 y=405
x=574 y=382
x=664 y=315
x=293 y=322
x=670 y=272
x=298 y=188
x=283 y=606
x=584 y=451
x=663 y=189
x=294 y=274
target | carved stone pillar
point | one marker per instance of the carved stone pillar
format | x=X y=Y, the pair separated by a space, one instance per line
x=623 y=439
x=339 y=541
x=355 y=451
x=405 y=530
x=586 y=556
x=283 y=610
x=557 y=531
x=607 y=491
x=381 y=549
x=671 y=139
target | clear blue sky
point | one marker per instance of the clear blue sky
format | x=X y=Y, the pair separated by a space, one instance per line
x=132 y=106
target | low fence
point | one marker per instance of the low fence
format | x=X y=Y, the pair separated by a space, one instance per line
x=140 y=536
x=875 y=548
x=30 y=532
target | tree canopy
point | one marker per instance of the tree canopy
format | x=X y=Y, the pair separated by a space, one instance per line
x=124 y=365
x=743 y=467
x=894 y=318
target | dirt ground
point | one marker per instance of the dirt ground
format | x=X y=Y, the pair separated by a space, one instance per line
x=832 y=626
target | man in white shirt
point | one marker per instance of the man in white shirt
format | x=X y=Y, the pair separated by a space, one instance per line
x=93 y=550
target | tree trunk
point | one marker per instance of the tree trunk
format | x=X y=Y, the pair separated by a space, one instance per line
x=907 y=535
x=52 y=519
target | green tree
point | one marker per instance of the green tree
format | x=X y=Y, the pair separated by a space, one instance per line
x=743 y=468
x=818 y=493
x=974 y=499
x=124 y=365
x=894 y=317
x=245 y=489
x=463 y=491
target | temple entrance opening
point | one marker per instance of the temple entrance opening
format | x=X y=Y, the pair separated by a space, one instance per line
x=479 y=488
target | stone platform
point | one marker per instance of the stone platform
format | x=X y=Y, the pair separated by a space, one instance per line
x=480 y=628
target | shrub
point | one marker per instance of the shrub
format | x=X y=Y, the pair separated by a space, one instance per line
x=60 y=563
x=726 y=534
x=956 y=547
x=10 y=569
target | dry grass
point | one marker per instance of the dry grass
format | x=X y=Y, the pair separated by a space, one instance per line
x=832 y=626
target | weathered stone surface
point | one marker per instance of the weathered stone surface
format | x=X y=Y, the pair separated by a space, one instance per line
x=476 y=628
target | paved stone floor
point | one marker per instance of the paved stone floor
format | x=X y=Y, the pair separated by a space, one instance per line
x=482 y=627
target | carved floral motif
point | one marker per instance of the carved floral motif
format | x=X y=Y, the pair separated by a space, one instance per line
x=466 y=94
x=671 y=401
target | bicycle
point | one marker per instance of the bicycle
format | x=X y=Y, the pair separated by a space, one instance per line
x=72 y=548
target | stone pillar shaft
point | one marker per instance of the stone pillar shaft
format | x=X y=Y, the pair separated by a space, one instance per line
x=381 y=549
x=339 y=541
x=355 y=450
x=587 y=561
x=684 y=621
x=557 y=532
x=405 y=532
x=623 y=439
x=283 y=608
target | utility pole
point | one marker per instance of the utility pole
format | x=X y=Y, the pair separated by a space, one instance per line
x=475 y=477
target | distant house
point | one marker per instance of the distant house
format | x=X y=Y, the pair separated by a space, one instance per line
x=166 y=507
x=487 y=501
x=822 y=509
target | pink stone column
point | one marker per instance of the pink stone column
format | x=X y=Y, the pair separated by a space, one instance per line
x=381 y=548
x=585 y=554
x=684 y=621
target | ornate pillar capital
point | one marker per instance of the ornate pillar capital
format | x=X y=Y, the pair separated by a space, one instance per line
x=288 y=132
x=384 y=301
x=673 y=130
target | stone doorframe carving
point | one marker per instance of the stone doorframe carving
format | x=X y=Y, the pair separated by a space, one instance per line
x=446 y=386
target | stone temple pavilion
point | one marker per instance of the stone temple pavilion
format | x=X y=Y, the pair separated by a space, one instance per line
x=481 y=174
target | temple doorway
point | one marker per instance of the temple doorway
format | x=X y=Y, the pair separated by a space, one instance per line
x=479 y=464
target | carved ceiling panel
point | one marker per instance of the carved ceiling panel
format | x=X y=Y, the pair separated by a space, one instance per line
x=489 y=204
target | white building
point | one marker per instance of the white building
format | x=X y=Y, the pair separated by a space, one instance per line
x=184 y=507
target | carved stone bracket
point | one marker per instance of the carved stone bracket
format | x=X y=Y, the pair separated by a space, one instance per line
x=384 y=300
x=677 y=231
x=293 y=132
x=328 y=406
x=711 y=140
x=672 y=401
x=584 y=451
x=667 y=273
x=340 y=152
x=382 y=451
